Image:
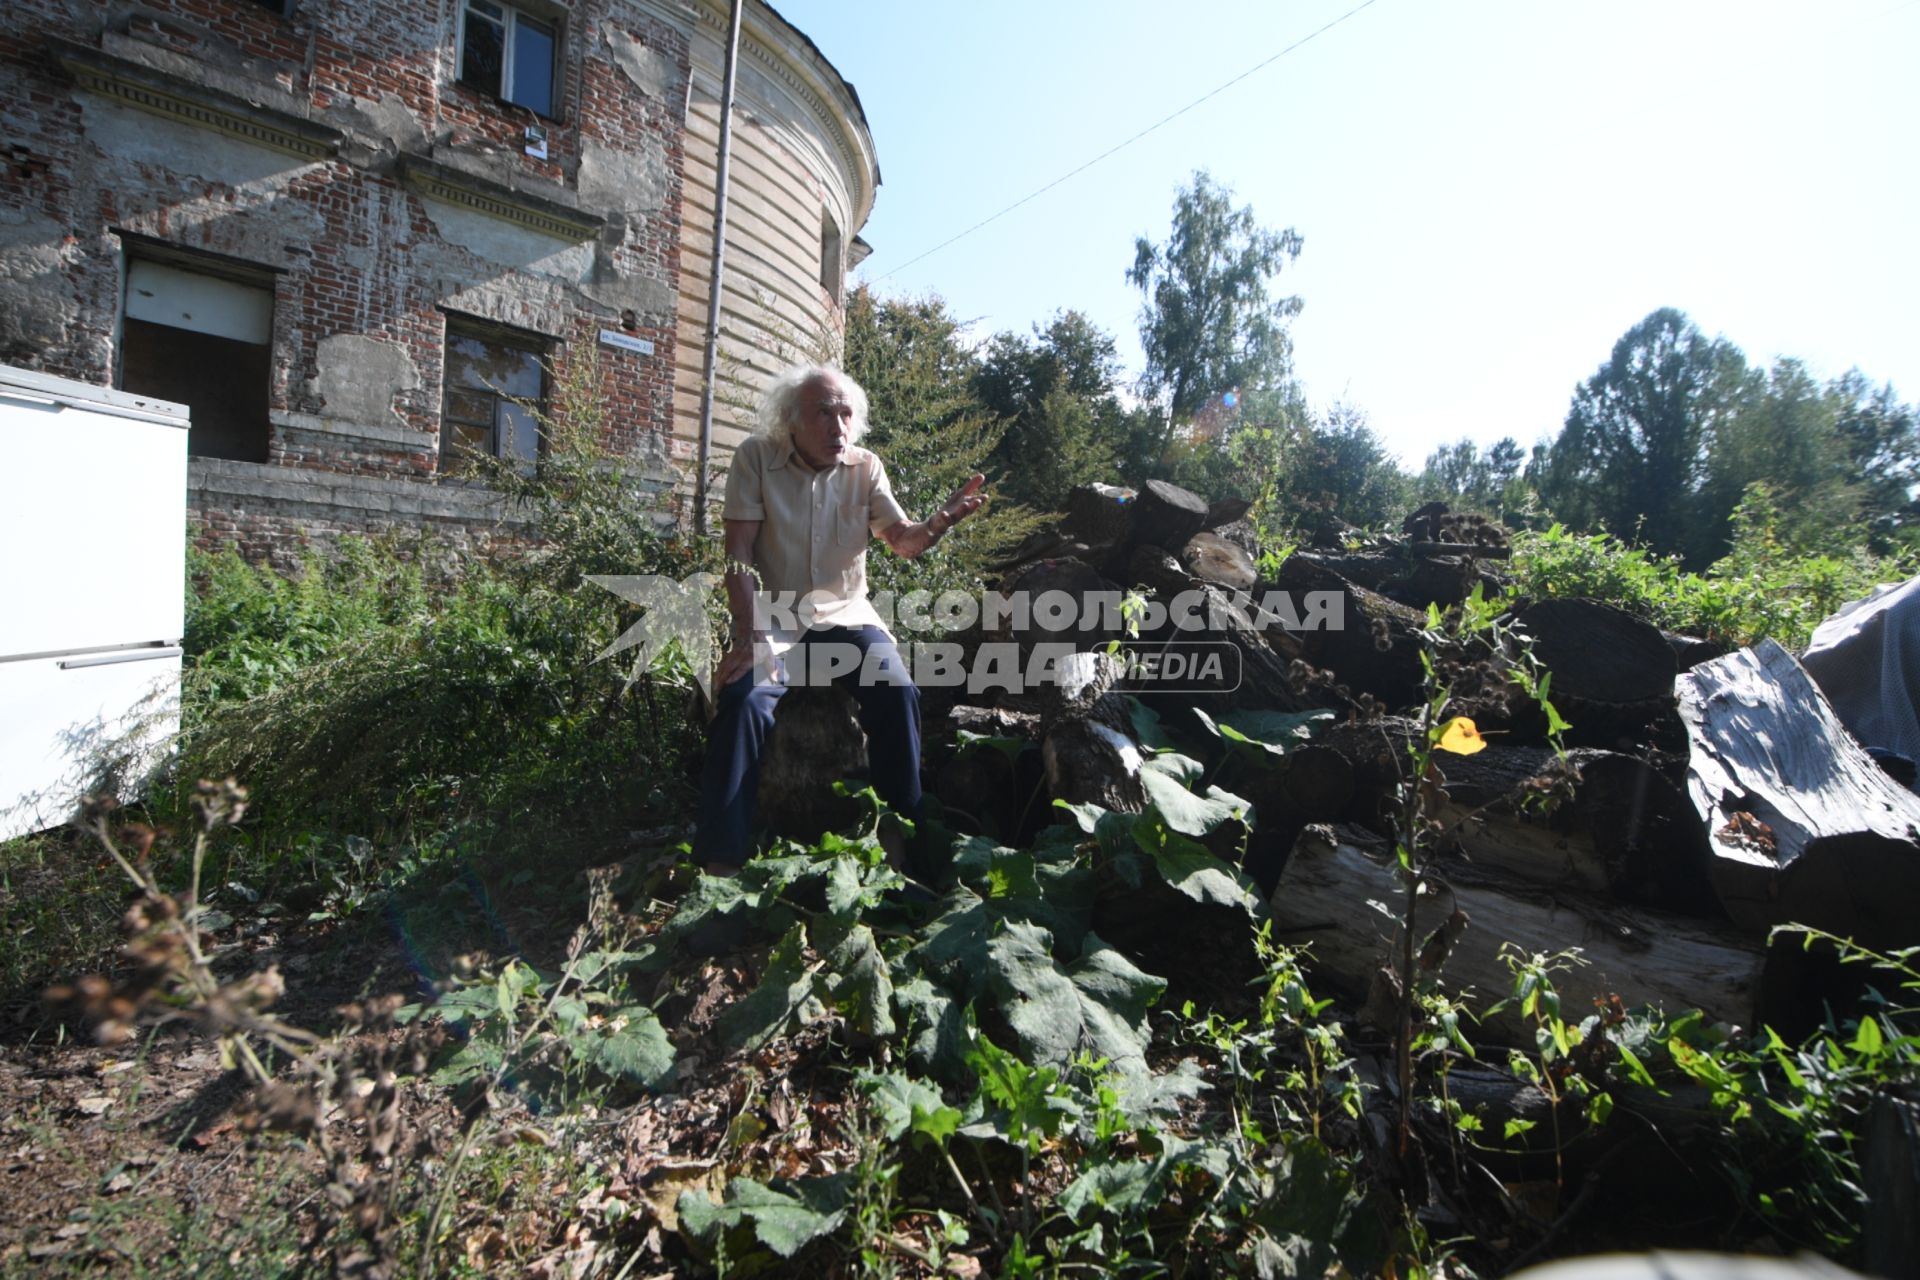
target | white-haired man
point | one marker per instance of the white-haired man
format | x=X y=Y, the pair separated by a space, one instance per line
x=803 y=501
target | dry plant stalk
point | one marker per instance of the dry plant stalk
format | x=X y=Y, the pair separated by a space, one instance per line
x=353 y=1075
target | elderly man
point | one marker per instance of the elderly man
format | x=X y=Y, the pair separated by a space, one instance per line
x=803 y=500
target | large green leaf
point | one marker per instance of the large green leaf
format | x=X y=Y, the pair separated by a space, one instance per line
x=1185 y=812
x=905 y=1104
x=993 y=871
x=935 y=1024
x=782 y=1003
x=1193 y=870
x=1146 y=725
x=955 y=946
x=1123 y=1186
x=1099 y=1003
x=634 y=1049
x=784 y=1220
x=856 y=981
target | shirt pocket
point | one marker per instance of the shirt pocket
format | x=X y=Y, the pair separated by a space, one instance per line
x=850 y=529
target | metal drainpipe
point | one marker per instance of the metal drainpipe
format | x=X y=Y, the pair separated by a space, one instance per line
x=715 y=277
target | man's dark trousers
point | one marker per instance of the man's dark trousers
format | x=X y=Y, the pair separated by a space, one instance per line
x=889 y=712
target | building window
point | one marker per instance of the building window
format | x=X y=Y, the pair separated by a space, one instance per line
x=494 y=392
x=833 y=269
x=509 y=54
x=204 y=341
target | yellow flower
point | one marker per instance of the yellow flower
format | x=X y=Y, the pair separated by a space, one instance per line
x=1460 y=736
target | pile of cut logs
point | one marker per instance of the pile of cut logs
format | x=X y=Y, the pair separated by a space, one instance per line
x=1705 y=796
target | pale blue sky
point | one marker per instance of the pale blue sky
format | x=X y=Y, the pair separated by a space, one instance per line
x=1490 y=191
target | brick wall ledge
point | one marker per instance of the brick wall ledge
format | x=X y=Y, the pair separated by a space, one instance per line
x=222 y=484
x=393 y=436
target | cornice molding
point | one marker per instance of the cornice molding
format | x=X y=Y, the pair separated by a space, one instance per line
x=164 y=94
x=453 y=186
x=833 y=105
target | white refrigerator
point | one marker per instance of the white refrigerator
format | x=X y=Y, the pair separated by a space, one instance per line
x=93 y=506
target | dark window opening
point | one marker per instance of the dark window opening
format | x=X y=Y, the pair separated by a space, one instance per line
x=509 y=54
x=206 y=342
x=491 y=399
x=832 y=265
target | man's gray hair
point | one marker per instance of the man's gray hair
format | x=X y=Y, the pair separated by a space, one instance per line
x=780 y=409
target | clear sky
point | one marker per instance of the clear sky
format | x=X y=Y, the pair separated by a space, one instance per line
x=1490 y=191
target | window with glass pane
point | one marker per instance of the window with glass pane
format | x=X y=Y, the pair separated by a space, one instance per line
x=532 y=84
x=509 y=54
x=490 y=401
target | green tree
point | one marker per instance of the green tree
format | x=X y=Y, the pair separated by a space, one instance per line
x=1632 y=456
x=1462 y=475
x=1782 y=435
x=933 y=432
x=1339 y=467
x=1882 y=443
x=1208 y=323
x=1059 y=392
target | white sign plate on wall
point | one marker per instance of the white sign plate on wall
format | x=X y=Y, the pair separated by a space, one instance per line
x=614 y=338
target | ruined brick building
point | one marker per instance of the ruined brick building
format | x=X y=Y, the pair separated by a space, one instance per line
x=351 y=233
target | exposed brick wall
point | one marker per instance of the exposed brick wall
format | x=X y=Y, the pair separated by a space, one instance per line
x=352 y=251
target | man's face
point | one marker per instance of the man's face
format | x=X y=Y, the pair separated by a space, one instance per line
x=825 y=426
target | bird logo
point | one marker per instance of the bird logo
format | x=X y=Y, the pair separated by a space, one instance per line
x=676 y=617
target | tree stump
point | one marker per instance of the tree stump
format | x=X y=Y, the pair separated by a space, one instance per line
x=816 y=742
x=1612 y=672
x=1167 y=515
x=1803 y=824
x=1100 y=514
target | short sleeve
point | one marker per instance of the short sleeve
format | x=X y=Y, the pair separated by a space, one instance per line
x=745 y=480
x=883 y=510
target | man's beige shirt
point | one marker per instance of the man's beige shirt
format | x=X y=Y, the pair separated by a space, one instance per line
x=814 y=529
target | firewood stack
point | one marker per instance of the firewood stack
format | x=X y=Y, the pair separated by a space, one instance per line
x=1703 y=800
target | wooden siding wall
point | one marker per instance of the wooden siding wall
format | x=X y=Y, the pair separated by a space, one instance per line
x=774 y=312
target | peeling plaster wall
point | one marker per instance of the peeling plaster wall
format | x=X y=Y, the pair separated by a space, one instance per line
x=365 y=264
x=331 y=157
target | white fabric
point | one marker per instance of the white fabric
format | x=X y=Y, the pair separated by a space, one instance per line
x=1866 y=659
x=814 y=529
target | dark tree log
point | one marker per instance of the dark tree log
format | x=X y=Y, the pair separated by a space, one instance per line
x=1211 y=558
x=1441 y=580
x=1309 y=784
x=1094 y=599
x=1314 y=783
x=1643 y=956
x=1497 y=1097
x=1612 y=672
x=1370 y=569
x=1690 y=651
x=1167 y=515
x=1363 y=622
x=1156 y=572
x=1100 y=514
x=816 y=742
x=1890 y=1172
x=1803 y=824
x=1376 y=753
x=993 y=722
x=1243 y=535
x=1625 y=830
x=1251 y=673
x=1087 y=745
x=1225 y=511
x=1474 y=550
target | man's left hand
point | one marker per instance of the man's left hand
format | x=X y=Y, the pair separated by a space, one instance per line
x=964 y=501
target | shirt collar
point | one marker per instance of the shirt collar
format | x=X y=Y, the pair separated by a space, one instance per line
x=787 y=453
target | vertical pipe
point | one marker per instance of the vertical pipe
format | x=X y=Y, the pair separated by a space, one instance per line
x=715 y=277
